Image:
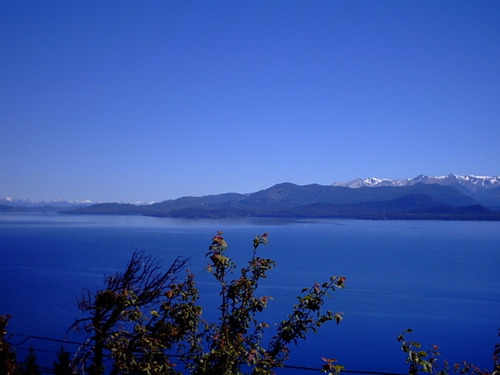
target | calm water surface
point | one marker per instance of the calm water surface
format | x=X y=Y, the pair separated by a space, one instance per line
x=439 y=278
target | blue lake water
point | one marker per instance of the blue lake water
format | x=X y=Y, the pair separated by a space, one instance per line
x=439 y=278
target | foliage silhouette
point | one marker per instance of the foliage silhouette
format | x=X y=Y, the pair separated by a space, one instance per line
x=144 y=318
x=63 y=364
x=121 y=319
x=30 y=367
x=8 y=365
x=427 y=361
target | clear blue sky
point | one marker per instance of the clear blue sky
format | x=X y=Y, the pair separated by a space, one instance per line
x=153 y=100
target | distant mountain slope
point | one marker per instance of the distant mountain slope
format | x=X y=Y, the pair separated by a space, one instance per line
x=413 y=206
x=208 y=201
x=484 y=189
x=420 y=201
x=288 y=195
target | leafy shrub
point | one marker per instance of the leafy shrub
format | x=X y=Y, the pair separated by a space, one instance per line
x=144 y=318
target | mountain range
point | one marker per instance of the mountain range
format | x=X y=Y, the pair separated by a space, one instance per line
x=484 y=189
x=44 y=203
x=449 y=197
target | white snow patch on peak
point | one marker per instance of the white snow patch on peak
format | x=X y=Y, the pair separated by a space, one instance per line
x=469 y=181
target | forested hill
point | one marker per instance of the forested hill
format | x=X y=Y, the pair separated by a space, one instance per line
x=420 y=201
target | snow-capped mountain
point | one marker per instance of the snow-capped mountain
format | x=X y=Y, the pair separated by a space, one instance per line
x=53 y=203
x=471 y=182
x=485 y=189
